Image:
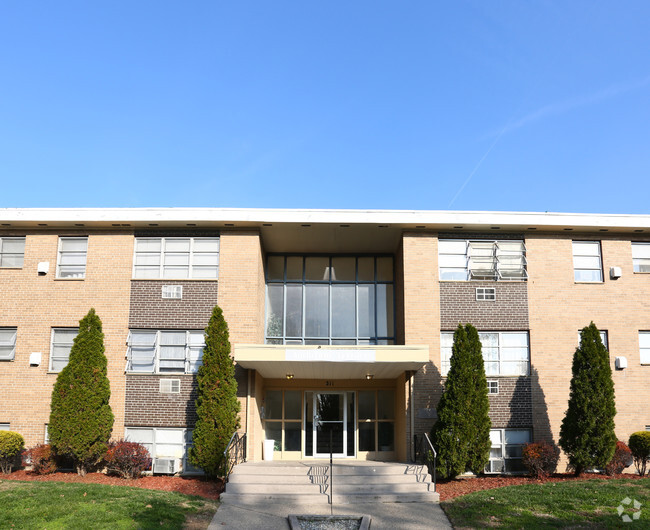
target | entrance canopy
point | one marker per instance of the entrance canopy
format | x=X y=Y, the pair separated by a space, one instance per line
x=330 y=362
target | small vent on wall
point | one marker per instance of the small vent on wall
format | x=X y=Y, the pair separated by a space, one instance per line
x=170 y=386
x=493 y=387
x=173 y=292
x=486 y=293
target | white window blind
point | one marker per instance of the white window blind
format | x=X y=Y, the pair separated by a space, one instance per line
x=12 y=252
x=165 y=351
x=8 y=343
x=641 y=257
x=72 y=257
x=587 y=265
x=62 y=340
x=176 y=257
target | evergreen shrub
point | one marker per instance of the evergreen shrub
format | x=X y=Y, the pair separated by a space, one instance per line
x=461 y=435
x=217 y=406
x=640 y=447
x=587 y=432
x=127 y=459
x=540 y=458
x=11 y=446
x=81 y=419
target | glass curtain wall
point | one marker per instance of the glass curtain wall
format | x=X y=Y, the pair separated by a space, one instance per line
x=339 y=300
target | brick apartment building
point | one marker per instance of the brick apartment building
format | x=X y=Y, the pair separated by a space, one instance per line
x=340 y=321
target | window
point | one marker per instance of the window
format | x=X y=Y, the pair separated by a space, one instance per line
x=506 y=450
x=504 y=352
x=587 y=266
x=376 y=413
x=176 y=257
x=486 y=293
x=164 y=444
x=72 y=257
x=62 y=340
x=46 y=437
x=330 y=300
x=493 y=387
x=12 y=252
x=8 y=343
x=151 y=351
x=5 y=426
x=460 y=259
x=641 y=257
x=603 y=338
x=644 y=346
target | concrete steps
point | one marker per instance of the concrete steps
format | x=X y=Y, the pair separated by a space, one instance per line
x=307 y=482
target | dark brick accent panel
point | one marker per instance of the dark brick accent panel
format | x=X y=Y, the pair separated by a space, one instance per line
x=146 y=406
x=149 y=310
x=513 y=406
x=508 y=312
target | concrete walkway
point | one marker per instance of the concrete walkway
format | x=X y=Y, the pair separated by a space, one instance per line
x=272 y=515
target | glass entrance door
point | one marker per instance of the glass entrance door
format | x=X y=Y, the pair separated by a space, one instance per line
x=330 y=422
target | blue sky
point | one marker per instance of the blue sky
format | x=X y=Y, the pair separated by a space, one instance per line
x=463 y=105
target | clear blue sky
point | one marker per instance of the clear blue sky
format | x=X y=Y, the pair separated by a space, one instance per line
x=467 y=105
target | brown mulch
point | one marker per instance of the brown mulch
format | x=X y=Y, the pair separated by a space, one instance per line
x=187 y=485
x=450 y=489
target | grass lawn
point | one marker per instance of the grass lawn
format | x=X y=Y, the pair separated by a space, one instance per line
x=57 y=505
x=578 y=504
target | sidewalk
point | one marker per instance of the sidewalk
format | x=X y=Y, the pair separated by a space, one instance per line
x=271 y=515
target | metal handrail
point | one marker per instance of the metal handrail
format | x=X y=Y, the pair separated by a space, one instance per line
x=234 y=454
x=426 y=453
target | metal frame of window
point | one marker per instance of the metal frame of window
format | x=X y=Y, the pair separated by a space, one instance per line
x=11 y=259
x=641 y=256
x=493 y=386
x=446 y=349
x=501 y=462
x=486 y=294
x=157 y=345
x=644 y=347
x=377 y=338
x=71 y=270
x=579 y=255
x=187 y=468
x=483 y=259
x=163 y=253
x=61 y=343
x=8 y=343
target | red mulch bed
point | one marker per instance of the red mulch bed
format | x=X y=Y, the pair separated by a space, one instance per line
x=450 y=489
x=189 y=486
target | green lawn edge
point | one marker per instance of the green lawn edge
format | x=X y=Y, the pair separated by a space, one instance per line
x=578 y=504
x=59 y=505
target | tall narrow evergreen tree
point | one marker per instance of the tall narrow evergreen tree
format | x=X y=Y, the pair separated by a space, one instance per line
x=81 y=419
x=587 y=432
x=462 y=433
x=217 y=406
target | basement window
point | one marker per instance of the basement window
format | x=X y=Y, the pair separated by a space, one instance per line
x=506 y=451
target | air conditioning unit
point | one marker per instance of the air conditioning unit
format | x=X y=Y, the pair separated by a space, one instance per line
x=164 y=465
x=170 y=386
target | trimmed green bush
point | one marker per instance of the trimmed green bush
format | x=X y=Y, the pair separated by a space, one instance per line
x=41 y=458
x=11 y=445
x=587 y=433
x=217 y=406
x=81 y=419
x=640 y=446
x=461 y=435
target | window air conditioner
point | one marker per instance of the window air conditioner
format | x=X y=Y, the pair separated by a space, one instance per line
x=164 y=465
x=170 y=386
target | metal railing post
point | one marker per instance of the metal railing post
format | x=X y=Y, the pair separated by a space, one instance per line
x=331 y=474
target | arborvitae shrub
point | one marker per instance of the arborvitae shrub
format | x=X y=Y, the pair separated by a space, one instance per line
x=81 y=419
x=11 y=445
x=621 y=459
x=587 y=432
x=217 y=406
x=540 y=458
x=461 y=435
x=41 y=458
x=640 y=446
x=127 y=459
